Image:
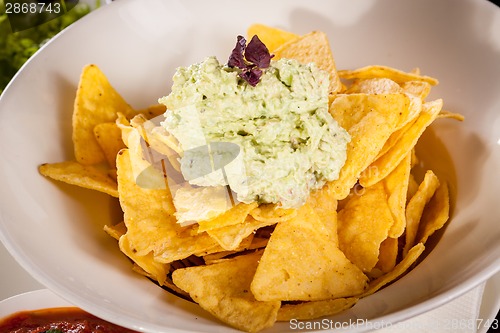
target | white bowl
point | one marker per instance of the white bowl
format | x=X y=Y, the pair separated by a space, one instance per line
x=32 y=300
x=55 y=230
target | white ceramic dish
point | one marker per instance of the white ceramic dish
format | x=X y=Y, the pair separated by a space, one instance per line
x=55 y=230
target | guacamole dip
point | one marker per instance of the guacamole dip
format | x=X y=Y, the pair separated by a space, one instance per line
x=288 y=143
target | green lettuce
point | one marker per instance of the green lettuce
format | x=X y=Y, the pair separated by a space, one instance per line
x=17 y=47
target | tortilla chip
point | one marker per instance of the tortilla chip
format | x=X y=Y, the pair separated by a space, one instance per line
x=363 y=224
x=451 y=115
x=415 y=208
x=372 y=72
x=272 y=37
x=235 y=215
x=272 y=213
x=325 y=205
x=312 y=47
x=223 y=289
x=155 y=270
x=420 y=89
x=150 y=221
x=316 y=270
x=396 y=187
x=360 y=114
x=388 y=254
x=229 y=237
x=116 y=231
x=398 y=270
x=109 y=138
x=86 y=176
x=315 y=309
x=374 y=86
x=435 y=215
x=387 y=162
x=96 y=102
x=153 y=111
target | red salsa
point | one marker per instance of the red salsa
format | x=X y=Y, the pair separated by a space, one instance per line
x=58 y=320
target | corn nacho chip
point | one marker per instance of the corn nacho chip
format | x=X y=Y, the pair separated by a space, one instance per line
x=396 y=186
x=400 y=269
x=359 y=114
x=272 y=213
x=371 y=72
x=109 y=138
x=374 y=86
x=451 y=115
x=312 y=47
x=435 y=215
x=96 y=102
x=420 y=89
x=147 y=229
x=86 y=176
x=363 y=224
x=116 y=230
x=272 y=37
x=315 y=309
x=229 y=237
x=416 y=206
x=388 y=254
x=223 y=289
x=235 y=215
x=155 y=270
x=387 y=162
x=323 y=202
x=316 y=271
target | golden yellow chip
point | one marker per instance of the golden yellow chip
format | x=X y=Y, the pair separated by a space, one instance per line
x=116 y=231
x=314 y=270
x=415 y=208
x=87 y=176
x=155 y=270
x=363 y=224
x=325 y=205
x=451 y=115
x=96 y=102
x=229 y=237
x=270 y=36
x=390 y=160
x=435 y=215
x=109 y=138
x=398 y=270
x=359 y=114
x=420 y=89
x=388 y=254
x=396 y=187
x=374 y=86
x=272 y=213
x=372 y=72
x=312 y=47
x=235 y=215
x=150 y=221
x=315 y=309
x=223 y=289
x=153 y=111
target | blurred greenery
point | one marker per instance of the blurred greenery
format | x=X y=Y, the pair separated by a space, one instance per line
x=17 y=47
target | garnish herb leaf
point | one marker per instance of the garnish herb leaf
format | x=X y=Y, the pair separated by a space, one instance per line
x=251 y=59
x=236 y=58
x=257 y=53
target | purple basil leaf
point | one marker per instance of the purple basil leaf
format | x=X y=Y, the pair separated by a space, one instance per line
x=236 y=58
x=257 y=53
x=251 y=75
